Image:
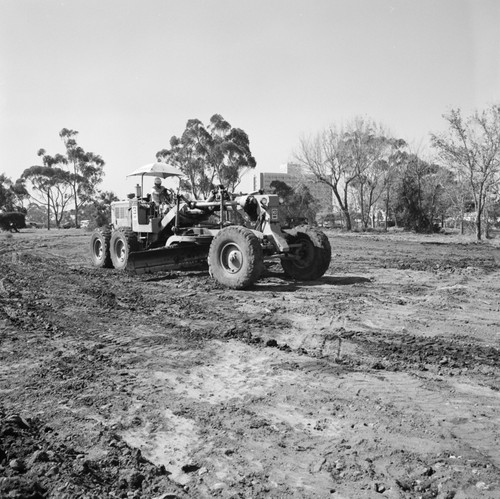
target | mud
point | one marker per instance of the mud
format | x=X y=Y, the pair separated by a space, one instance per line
x=379 y=380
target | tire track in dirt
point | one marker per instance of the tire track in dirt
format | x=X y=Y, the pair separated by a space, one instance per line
x=436 y=409
x=219 y=384
x=190 y=374
x=408 y=392
x=220 y=381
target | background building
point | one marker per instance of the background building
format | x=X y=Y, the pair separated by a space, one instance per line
x=293 y=175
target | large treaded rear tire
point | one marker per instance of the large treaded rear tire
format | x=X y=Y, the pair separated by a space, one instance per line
x=99 y=248
x=123 y=242
x=314 y=254
x=235 y=258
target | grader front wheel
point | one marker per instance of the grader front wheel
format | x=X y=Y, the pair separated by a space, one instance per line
x=235 y=258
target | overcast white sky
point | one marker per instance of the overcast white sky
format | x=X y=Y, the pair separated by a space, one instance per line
x=128 y=74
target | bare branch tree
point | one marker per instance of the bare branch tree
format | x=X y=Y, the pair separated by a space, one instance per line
x=471 y=147
x=324 y=156
x=350 y=160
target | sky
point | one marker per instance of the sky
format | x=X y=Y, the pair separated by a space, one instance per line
x=129 y=74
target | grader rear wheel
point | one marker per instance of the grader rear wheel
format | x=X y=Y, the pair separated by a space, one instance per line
x=235 y=257
x=99 y=248
x=123 y=242
x=311 y=256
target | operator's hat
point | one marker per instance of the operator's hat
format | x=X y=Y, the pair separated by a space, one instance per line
x=158 y=180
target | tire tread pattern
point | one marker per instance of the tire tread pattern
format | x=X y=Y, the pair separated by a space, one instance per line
x=322 y=254
x=104 y=234
x=131 y=243
x=252 y=252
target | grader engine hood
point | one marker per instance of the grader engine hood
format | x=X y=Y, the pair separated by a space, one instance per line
x=136 y=214
x=120 y=214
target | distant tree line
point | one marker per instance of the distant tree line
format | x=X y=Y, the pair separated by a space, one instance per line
x=370 y=171
x=67 y=184
x=60 y=186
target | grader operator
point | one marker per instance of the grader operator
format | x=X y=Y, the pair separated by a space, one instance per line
x=141 y=238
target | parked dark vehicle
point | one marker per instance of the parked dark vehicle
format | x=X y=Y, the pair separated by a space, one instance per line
x=12 y=221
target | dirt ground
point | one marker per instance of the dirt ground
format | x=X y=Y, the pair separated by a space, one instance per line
x=379 y=380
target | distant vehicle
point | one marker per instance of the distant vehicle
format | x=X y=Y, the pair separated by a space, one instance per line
x=68 y=225
x=327 y=225
x=35 y=225
x=84 y=224
x=12 y=221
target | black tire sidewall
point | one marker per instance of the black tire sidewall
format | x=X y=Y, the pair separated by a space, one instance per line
x=320 y=260
x=251 y=251
x=103 y=236
x=129 y=241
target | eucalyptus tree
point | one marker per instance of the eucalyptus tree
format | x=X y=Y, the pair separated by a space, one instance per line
x=86 y=170
x=51 y=183
x=421 y=193
x=6 y=193
x=217 y=153
x=229 y=154
x=371 y=150
x=471 y=147
x=190 y=153
x=459 y=198
x=364 y=145
x=390 y=175
x=12 y=194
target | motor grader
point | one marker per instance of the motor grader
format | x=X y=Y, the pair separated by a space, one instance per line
x=143 y=237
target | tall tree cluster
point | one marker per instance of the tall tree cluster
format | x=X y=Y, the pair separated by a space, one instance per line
x=66 y=180
x=86 y=170
x=209 y=155
x=419 y=198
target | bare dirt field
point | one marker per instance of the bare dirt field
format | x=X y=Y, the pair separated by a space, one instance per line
x=379 y=380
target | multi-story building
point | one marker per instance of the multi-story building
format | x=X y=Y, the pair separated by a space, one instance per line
x=293 y=175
